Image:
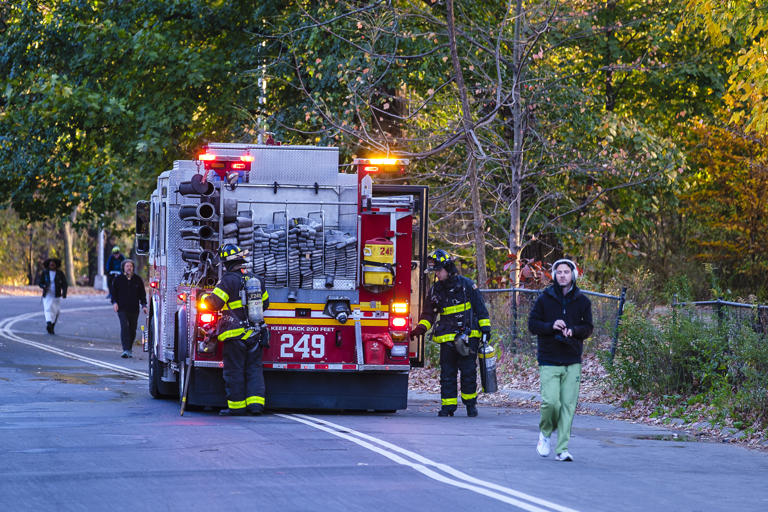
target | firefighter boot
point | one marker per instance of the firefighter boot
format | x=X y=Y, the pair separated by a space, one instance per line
x=471 y=409
x=49 y=327
x=446 y=411
x=255 y=409
x=232 y=412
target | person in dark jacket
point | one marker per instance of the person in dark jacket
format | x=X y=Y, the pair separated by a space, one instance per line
x=561 y=319
x=243 y=340
x=463 y=319
x=127 y=294
x=54 y=286
x=113 y=267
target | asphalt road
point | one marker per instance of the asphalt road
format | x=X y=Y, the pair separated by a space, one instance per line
x=79 y=431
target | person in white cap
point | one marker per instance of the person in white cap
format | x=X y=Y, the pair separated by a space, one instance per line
x=561 y=319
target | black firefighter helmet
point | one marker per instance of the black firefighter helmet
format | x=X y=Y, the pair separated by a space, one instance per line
x=438 y=259
x=231 y=255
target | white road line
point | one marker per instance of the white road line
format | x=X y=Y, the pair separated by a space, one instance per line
x=419 y=463
x=8 y=323
x=459 y=479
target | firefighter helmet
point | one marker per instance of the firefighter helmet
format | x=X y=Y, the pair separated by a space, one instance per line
x=231 y=253
x=438 y=259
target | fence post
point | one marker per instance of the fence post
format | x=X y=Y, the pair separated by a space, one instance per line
x=615 y=342
x=514 y=316
x=719 y=309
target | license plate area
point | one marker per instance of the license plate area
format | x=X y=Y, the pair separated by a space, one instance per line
x=311 y=344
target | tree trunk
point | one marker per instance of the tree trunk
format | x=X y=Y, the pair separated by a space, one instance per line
x=478 y=221
x=69 y=267
x=516 y=159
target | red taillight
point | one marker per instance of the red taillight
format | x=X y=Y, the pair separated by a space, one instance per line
x=247 y=158
x=399 y=322
x=238 y=166
x=154 y=284
x=182 y=297
x=370 y=168
x=207 y=318
x=206 y=157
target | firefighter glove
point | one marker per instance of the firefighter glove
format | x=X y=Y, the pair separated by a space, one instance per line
x=418 y=331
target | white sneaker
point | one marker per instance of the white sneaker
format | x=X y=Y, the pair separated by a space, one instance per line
x=543 y=446
x=564 y=456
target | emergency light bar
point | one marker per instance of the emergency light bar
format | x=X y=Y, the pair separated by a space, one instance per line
x=222 y=164
x=374 y=165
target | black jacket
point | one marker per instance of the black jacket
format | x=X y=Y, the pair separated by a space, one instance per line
x=128 y=293
x=60 y=283
x=459 y=306
x=576 y=309
x=226 y=297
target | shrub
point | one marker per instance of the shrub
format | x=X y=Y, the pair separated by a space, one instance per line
x=695 y=359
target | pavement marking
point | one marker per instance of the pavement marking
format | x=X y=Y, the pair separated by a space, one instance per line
x=427 y=467
x=420 y=463
x=7 y=332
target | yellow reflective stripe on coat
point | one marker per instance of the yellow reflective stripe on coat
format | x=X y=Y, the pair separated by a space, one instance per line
x=450 y=401
x=474 y=333
x=264 y=296
x=221 y=294
x=255 y=400
x=234 y=333
x=235 y=304
x=468 y=396
x=458 y=308
x=426 y=324
x=484 y=322
x=445 y=337
x=236 y=405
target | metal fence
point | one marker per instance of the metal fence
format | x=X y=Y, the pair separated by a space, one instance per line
x=754 y=315
x=509 y=309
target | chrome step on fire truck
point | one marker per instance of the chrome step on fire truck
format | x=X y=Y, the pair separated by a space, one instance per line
x=342 y=253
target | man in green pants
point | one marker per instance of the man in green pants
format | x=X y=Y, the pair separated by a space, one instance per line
x=561 y=319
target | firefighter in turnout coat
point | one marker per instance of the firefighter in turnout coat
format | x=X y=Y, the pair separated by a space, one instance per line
x=456 y=310
x=242 y=341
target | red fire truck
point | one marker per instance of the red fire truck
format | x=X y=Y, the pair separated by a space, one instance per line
x=342 y=252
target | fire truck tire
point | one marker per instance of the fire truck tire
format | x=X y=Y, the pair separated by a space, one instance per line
x=157 y=388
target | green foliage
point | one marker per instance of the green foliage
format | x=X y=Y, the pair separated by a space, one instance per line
x=100 y=97
x=683 y=357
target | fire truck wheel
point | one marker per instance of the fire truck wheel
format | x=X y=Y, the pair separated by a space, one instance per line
x=157 y=388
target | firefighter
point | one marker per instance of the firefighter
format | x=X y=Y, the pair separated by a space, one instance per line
x=462 y=319
x=242 y=339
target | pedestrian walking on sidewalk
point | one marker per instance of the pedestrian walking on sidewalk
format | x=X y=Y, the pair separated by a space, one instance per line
x=54 y=286
x=127 y=294
x=561 y=319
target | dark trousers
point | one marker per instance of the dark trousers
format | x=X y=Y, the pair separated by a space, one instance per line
x=450 y=364
x=243 y=374
x=128 y=322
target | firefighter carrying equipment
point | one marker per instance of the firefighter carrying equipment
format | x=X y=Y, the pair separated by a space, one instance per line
x=243 y=342
x=226 y=297
x=459 y=306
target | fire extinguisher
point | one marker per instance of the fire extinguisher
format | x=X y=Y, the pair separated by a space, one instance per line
x=487 y=356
